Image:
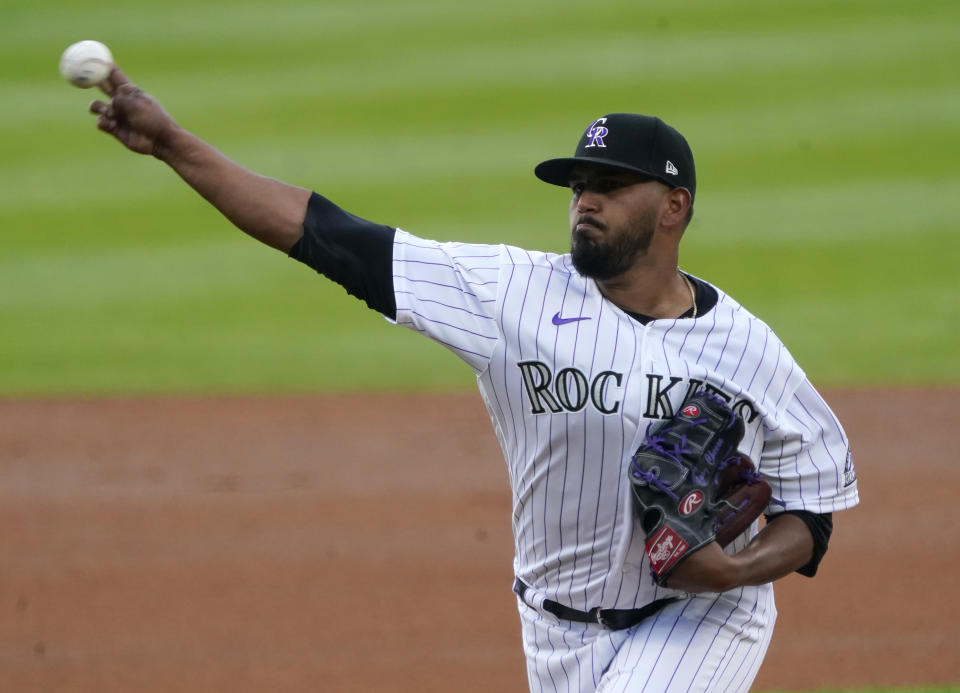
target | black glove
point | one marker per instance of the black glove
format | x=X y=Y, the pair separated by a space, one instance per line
x=691 y=485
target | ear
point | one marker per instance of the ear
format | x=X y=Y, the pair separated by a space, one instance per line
x=676 y=205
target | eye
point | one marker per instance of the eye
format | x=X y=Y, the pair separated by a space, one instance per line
x=577 y=187
x=605 y=185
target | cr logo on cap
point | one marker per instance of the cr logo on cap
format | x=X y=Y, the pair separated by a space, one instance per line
x=596 y=133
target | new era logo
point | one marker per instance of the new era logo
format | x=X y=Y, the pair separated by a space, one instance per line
x=671 y=169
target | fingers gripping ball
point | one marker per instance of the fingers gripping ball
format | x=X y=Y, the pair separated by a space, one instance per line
x=86 y=63
x=691 y=486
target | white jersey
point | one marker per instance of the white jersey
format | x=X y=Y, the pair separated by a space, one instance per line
x=572 y=383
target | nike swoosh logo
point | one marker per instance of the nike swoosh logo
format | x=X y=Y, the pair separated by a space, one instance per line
x=557 y=320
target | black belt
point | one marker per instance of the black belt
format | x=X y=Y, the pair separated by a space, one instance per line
x=614 y=619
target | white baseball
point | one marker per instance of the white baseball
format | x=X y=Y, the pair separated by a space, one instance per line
x=86 y=63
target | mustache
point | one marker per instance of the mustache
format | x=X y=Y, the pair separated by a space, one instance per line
x=593 y=221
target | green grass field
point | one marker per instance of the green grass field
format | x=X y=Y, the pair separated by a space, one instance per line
x=825 y=133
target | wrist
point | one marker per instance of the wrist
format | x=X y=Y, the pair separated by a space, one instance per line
x=171 y=144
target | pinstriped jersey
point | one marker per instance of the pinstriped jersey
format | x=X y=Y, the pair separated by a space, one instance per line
x=572 y=383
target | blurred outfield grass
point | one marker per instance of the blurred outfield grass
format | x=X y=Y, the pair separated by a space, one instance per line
x=826 y=136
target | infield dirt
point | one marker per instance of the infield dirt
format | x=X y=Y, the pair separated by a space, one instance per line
x=362 y=543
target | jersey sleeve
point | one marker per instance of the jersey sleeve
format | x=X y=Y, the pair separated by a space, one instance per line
x=449 y=292
x=806 y=456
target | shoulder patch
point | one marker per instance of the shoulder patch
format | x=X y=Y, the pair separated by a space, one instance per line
x=849 y=471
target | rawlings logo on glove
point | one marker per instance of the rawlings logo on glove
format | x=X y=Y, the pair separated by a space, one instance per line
x=691 y=485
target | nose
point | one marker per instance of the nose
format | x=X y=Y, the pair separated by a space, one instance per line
x=587 y=201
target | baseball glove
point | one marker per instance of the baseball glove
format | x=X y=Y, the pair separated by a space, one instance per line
x=691 y=485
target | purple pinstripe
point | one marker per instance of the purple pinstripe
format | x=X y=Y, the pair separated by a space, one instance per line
x=576 y=544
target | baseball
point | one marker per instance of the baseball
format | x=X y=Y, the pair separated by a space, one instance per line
x=86 y=63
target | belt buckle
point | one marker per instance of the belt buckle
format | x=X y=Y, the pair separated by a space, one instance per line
x=597 y=614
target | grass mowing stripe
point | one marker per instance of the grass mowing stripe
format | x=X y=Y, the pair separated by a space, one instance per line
x=823 y=132
x=497 y=56
x=805 y=155
x=299 y=21
x=860 y=210
x=222 y=316
x=848 y=309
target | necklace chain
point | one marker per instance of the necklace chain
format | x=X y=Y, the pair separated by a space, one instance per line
x=693 y=293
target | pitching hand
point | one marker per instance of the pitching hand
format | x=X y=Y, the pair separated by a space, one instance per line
x=132 y=116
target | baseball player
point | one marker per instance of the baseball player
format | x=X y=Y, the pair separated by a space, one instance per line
x=578 y=357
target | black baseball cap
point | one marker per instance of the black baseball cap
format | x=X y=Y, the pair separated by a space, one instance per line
x=641 y=143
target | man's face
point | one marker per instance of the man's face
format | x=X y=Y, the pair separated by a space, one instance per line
x=613 y=217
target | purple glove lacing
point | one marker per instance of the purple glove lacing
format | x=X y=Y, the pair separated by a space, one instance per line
x=676 y=452
x=654 y=480
x=716 y=399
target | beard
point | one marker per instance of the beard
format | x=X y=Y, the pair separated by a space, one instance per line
x=614 y=253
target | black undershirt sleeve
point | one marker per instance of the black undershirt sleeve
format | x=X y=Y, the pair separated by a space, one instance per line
x=821 y=527
x=354 y=252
